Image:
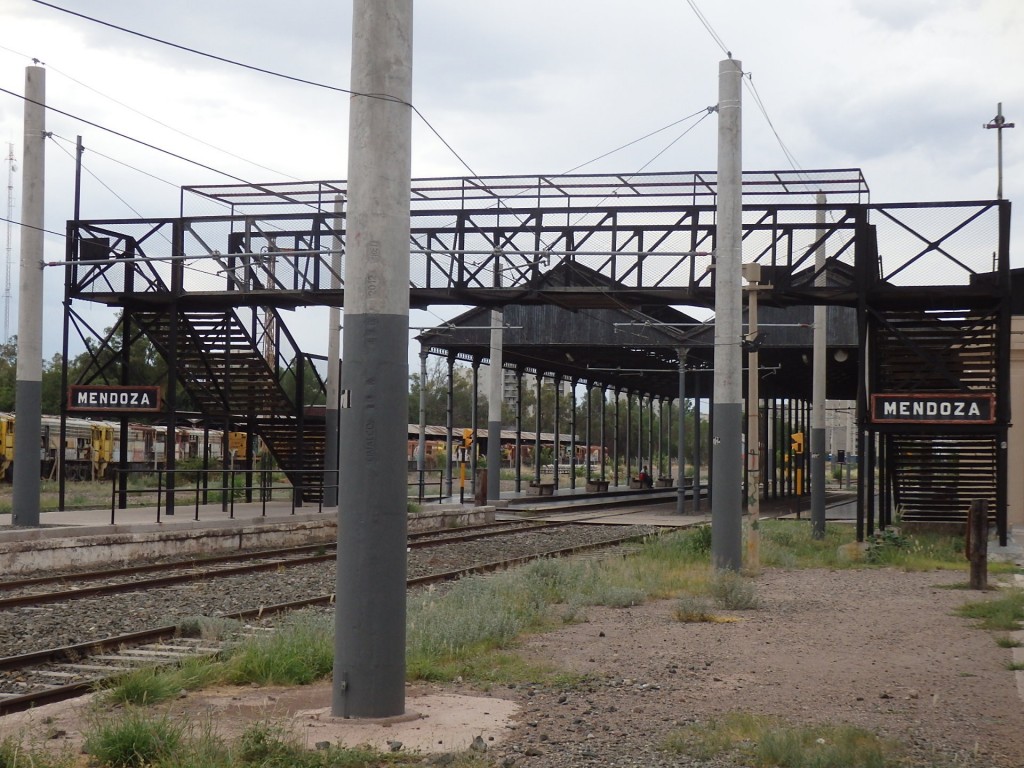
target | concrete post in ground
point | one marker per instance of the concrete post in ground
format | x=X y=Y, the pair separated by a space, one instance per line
x=421 y=446
x=817 y=442
x=494 y=391
x=752 y=272
x=449 y=426
x=369 y=644
x=727 y=405
x=28 y=392
x=331 y=465
x=681 y=451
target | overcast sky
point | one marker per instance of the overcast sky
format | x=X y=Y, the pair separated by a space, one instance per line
x=899 y=88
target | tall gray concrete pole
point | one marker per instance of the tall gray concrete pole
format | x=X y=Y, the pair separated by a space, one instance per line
x=369 y=644
x=817 y=442
x=28 y=392
x=727 y=406
x=495 y=382
x=333 y=368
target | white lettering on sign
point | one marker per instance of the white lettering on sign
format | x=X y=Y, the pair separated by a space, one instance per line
x=938 y=408
x=118 y=399
x=114 y=398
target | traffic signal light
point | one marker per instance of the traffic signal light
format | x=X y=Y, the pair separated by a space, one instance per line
x=798 y=442
x=467 y=437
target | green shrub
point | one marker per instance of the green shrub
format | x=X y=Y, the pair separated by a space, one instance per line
x=733 y=592
x=300 y=652
x=134 y=740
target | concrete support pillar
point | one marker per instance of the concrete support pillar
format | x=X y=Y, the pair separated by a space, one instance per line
x=421 y=445
x=572 y=432
x=537 y=425
x=818 y=381
x=28 y=387
x=629 y=432
x=475 y=419
x=369 y=650
x=519 y=430
x=331 y=464
x=450 y=425
x=727 y=408
x=556 y=454
x=590 y=393
x=604 y=401
x=494 y=392
x=615 y=441
x=681 y=450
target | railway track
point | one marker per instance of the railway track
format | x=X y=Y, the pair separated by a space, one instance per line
x=25 y=592
x=58 y=673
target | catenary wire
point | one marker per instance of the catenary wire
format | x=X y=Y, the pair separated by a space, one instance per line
x=119 y=162
x=101 y=181
x=169 y=127
x=140 y=142
x=130 y=108
x=30 y=226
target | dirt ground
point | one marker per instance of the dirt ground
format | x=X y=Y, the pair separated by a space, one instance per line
x=878 y=649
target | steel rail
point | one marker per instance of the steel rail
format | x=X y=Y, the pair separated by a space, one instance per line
x=52 y=694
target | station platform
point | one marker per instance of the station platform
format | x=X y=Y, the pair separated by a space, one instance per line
x=91 y=537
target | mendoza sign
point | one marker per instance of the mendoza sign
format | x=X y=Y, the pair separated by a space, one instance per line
x=933 y=409
x=106 y=398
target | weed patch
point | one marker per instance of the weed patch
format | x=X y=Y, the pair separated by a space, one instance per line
x=134 y=740
x=765 y=741
x=1000 y=613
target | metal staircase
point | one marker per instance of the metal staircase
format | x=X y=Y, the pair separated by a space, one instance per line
x=236 y=373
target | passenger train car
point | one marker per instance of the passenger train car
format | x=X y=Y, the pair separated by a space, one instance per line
x=91 y=446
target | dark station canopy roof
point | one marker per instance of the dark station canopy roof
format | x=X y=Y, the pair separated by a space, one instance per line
x=638 y=348
x=632 y=348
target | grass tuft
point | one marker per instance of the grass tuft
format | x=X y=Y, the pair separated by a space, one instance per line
x=764 y=741
x=134 y=740
x=14 y=754
x=300 y=652
x=999 y=613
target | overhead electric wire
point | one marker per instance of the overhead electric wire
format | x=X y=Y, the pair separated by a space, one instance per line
x=707 y=25
x=30 y=226
x=103 y=183
x=169 y=127
x=140 y=142
x=272 y=73
x=119 y=162
x=749 y=83
x=635 y=141
x=161 y=123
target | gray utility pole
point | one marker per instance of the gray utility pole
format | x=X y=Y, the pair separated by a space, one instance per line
x=333 y=368
x=818 y=371
x=369 y=643
x=28 y=392
x=999 y=123
x=752 y=273
x=494 y=392
x=727 y=407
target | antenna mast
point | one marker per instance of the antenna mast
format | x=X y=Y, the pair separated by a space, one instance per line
x=11 y=168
